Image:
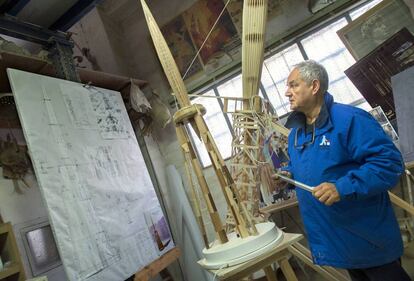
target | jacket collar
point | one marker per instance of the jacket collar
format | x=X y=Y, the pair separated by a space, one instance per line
x=323 y=122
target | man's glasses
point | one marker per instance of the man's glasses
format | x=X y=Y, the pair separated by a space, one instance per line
x=302 y=146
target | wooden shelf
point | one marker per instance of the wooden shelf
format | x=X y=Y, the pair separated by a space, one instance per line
x=9 y=271
x=10 y=252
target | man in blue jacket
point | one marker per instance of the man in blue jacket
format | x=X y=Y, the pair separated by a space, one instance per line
x=345 y=154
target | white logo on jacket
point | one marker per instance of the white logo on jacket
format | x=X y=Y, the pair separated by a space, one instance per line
x=325 y=141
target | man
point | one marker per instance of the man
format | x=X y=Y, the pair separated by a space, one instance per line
x=345 y=154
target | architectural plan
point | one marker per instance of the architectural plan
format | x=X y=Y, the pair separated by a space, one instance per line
x=92 y=177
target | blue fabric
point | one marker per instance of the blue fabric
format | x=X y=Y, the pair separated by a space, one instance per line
x=352 y=151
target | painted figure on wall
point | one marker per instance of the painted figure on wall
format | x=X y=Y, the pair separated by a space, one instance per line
x=199 y=20
x=182 y=49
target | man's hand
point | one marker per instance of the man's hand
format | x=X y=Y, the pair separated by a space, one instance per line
x=326 y=193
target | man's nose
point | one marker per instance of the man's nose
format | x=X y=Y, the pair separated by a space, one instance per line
x=287 y=93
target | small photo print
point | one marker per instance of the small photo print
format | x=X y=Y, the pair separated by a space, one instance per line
x=379 y=115
x=389 y=130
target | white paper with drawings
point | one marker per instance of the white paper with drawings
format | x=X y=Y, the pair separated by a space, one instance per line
x=101 y=202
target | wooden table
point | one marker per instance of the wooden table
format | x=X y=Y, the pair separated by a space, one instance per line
x=280 y=254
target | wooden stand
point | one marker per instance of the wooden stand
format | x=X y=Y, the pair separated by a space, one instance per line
x=330 y=273
x=279 y=254
x=10 y=253
x=157 y=266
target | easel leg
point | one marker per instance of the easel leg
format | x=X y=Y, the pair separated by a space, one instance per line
x=287 y=270
x=270 y=274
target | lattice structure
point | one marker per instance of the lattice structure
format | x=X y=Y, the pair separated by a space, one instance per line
x=254 y=124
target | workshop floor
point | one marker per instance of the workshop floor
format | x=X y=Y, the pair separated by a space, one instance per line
x=311 y=275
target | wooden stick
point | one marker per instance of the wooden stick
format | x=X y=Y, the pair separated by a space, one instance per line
x=401 y=203
x=194 y=196
x=270 y=274
x=152 y=270
x=330 y=273
x=211 y=207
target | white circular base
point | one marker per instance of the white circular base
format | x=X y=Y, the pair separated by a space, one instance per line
x=239 y=250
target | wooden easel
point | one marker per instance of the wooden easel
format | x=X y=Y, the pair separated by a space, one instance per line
x=157 y=266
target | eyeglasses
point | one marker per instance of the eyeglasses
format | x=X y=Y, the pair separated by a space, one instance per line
x=302 y=146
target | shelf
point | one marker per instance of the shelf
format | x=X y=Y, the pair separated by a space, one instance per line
x=9 y=271
x=9 y=251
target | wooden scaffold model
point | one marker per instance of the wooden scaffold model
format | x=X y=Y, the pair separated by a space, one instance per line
x=249 y=239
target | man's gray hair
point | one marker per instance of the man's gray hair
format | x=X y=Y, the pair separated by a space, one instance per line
x=310 y=70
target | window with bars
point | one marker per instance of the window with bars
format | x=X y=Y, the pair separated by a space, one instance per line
x=323 y=46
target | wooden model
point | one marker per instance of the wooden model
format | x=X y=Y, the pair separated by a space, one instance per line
x=249 y=239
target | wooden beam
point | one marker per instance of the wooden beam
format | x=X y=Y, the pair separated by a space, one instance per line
x=401 y=203
x=154 y=268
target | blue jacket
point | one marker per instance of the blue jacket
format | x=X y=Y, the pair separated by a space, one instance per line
x=351 y=150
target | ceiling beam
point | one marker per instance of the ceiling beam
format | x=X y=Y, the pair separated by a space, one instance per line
x=11 y=26
x=13 y=7
x=74 y=14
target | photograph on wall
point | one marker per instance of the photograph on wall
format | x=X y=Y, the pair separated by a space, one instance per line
x=379 y=115
x=159 y=229
x=182 y=49
x=372 y=28
x=372 y=74
x=382 y=119
x=223 y=43
x=389 y=130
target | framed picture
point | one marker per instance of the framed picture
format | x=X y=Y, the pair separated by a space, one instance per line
x=41 y=248
x=371 y=75
x=372 y=28
x=379 y=115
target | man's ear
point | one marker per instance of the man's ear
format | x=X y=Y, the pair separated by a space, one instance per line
x=316 y=85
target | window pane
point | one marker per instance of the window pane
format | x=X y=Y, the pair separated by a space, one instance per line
x=232 y=88
x=355 y=14
x=326 y=48
x=218 y=128
x=274 y=74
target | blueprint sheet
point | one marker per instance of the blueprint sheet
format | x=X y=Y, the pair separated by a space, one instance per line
x=102 y=206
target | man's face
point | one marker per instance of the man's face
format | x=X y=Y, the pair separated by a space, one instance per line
x=298 y=91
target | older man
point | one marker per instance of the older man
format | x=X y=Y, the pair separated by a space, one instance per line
x=345 y=154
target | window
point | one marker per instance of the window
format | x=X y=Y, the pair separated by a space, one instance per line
x=232 y=88
x=275 y=70
x=323 y=46
x=217 y=125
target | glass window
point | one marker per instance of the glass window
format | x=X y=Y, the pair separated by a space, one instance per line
x=274 y=73
x=218 y=128
x=356 y=13
x=232 y=88
x=325 y=47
